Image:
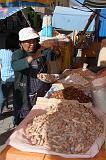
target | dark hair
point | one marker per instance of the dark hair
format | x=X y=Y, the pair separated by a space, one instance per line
x=12 y=41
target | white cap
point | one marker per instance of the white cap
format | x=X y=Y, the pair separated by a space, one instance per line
x=27 y=34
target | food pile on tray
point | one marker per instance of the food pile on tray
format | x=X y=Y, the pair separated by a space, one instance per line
x=64 y=123
x=69 y=128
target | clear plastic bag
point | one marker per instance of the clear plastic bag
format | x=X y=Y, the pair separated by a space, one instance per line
x=99 y=93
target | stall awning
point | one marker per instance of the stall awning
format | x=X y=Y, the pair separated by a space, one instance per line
x=69 y=19
x=95 y=3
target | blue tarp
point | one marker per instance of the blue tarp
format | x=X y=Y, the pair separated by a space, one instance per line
x=71 y=18
x=102 y=23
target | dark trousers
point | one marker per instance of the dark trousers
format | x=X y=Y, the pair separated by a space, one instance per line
x=8 y=93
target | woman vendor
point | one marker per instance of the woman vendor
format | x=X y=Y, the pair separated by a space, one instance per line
x=27 y=62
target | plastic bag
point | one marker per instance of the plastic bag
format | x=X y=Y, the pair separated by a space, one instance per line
x=99 y=93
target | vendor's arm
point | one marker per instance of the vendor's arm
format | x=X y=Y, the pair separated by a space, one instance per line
x=21 y=62
x=18 y=62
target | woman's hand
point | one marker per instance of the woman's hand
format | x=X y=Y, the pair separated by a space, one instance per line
x=29 y=59
x=34 y=56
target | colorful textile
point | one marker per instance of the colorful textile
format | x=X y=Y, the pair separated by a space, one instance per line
x=17 y=3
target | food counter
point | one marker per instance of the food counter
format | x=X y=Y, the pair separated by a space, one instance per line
x=10 y=153
x=19 y=141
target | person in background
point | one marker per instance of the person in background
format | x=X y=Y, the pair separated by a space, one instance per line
x=7 y=72
x=102 y=58
x=1 y=94
x=27 y=62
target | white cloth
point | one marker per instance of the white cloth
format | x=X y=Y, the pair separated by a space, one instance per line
x=102 y=58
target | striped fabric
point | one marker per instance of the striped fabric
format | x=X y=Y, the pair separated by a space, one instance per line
x=95 y=3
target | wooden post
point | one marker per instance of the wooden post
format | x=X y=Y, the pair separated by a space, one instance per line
x=85 y=29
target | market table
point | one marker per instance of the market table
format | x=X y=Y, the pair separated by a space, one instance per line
x=10 y=153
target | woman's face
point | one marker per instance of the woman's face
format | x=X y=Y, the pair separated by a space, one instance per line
x=28 y=45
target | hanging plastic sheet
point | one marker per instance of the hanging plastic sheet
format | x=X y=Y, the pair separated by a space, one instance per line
x=74 y=18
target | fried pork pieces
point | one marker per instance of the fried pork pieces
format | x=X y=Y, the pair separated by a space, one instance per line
x=68 y=128
x=71 y=93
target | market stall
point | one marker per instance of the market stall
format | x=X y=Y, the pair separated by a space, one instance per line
x=69 y=95
x=68 y=122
